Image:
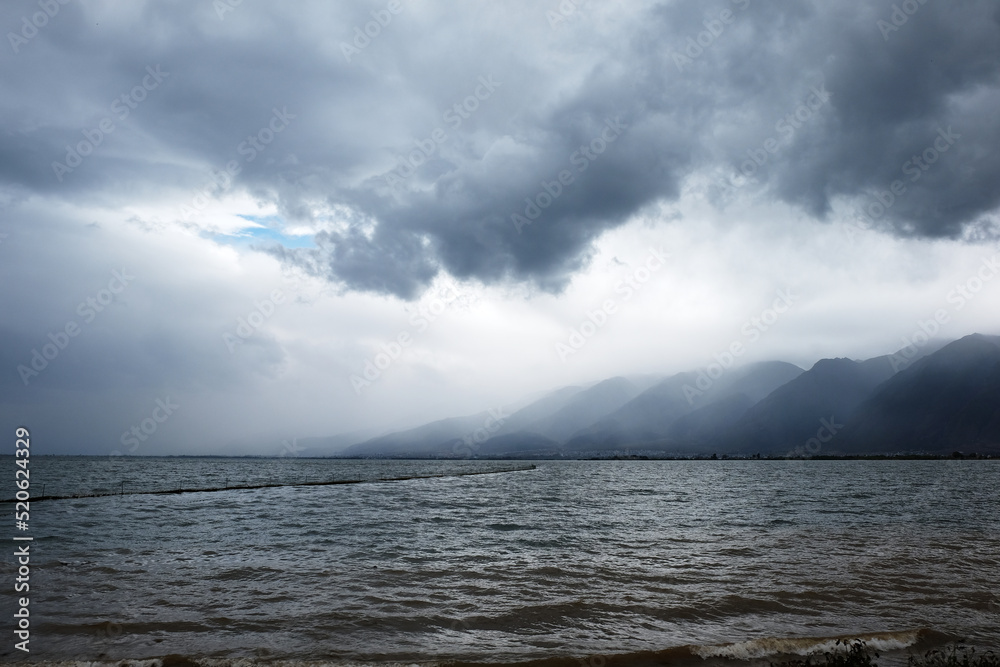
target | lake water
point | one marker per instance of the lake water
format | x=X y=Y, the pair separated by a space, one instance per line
x=724 y=561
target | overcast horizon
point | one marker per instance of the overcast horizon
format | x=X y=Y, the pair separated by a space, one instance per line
x=265 y=222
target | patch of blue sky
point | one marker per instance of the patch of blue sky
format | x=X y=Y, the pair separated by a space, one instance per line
x=265 y=229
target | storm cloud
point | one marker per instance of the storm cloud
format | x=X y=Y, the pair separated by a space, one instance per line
x=403 y=164
x=295 y=186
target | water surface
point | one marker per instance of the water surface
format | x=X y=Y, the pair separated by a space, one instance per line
x=574 y=558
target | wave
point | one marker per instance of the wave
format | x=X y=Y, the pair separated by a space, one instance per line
x=751 y=651
x=773 y=647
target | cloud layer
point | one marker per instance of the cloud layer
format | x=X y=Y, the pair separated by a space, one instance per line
x=363 y=158
x=719 y=91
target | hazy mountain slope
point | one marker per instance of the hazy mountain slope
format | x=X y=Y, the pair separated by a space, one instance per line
x=756 y=381
x=644 y=418
x=648 y=418
x=435 y=438
x=904 y=357
x=942 y=402
x=445 y=437
x=703 y=428
x=783 y=421
x=538 y=410
x=585 y=408
x=944 y=397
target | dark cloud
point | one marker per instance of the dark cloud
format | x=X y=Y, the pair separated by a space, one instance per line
x=891 y=91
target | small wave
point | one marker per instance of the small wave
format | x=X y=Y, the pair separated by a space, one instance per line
x=776 y=646
x=768 y=648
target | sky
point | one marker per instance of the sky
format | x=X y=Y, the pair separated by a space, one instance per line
x=228 y=224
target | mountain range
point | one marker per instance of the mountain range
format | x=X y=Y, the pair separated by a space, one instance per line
x=935 y=399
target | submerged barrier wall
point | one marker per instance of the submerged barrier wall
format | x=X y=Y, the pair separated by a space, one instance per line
x=162 y=492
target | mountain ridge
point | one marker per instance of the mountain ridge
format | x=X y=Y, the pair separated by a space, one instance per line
x=880 y=405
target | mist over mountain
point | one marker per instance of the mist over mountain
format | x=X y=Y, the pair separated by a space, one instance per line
x=647 y=419
x=540 y=426
x=434 y=439
x=590 y=404
x=937 y=398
